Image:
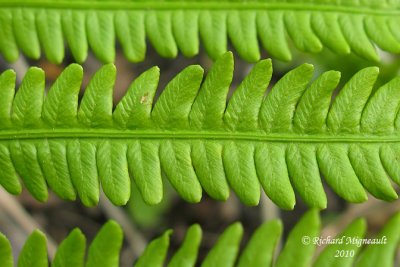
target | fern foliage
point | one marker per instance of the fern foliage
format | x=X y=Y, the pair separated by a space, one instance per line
x=172 y=26
x=280 y=141
x=298 y=250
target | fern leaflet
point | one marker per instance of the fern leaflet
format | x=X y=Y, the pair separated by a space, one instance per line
x=259 y=251
x=172 y=26
x=280 y=142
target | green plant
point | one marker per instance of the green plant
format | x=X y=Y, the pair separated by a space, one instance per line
x=342 y=26
x=104 y=250
x=282 y=141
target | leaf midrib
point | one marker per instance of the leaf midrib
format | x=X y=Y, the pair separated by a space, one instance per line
x=214 y=5
x=255 y=136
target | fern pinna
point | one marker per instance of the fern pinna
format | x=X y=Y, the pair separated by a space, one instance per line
x=342 y=26
x=298 y=250
x=281 y=141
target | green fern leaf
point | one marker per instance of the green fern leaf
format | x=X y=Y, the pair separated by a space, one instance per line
x=291 y=254
x=355 y=229
x=187 y=254
x=383 y=255
x=226 y=248
x=251 y=255
x=155 y=252
x=179 y=26
x=280 y=142
x=34 y=252
x=71 y=251
x=5 y=252
x=260 y=251
x=104 y=250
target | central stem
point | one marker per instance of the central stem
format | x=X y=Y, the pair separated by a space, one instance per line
x=204 y=5
x=257 y=136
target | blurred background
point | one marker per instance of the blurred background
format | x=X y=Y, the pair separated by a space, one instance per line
x=19 y=215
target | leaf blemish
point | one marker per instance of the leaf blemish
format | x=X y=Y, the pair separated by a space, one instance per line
x=144 y=98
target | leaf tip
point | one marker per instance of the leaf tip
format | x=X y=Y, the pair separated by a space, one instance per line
x=168 y=232
x=237 y=227
x=110 y=69
x=9 y=74
x=74 y=68
x=154 y=70
x=42 y=196
x=38 y=234
x=276 y=225
x=90 y=201
x=35 y=73
x=373 y=71
x=289 y=205
x=266 y=63
x=334 y=74
x=196 y=70
x=307 y=67
x=195 y=228
x=312 y=217
x=77 y=232
x=113 y=226
x=227 y=54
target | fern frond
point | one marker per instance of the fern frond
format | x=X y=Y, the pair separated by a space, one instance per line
x=172 y=26
x=280 y=142
x=298 y=250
